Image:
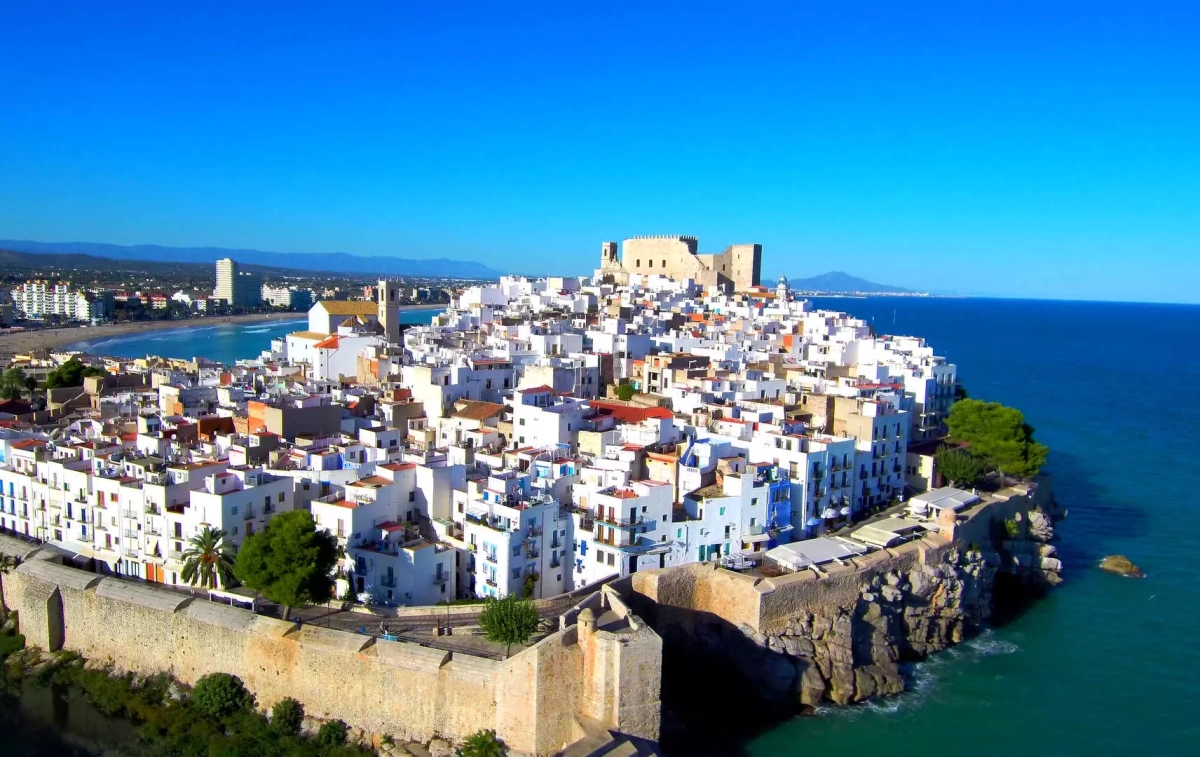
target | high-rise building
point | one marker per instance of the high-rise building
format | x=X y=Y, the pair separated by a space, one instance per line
x=227 y=271
x=37 y=299
x=239 y=289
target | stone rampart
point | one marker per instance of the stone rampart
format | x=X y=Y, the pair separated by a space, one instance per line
x=839 y=632
x=533 y=700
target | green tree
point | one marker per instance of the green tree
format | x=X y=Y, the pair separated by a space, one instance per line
x=71 y=373
x=332 y=733
x=8 y=563
x=208 y=560
x=219 y=695
x=998 y=435
x=14 y=384
x=959 y=467
x=508 y=621
x=287 y=715
x=289 y=561
x=625 y=392
x=482 y=744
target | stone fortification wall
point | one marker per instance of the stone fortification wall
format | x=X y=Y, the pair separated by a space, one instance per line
x=841 y=634
x=534 y=700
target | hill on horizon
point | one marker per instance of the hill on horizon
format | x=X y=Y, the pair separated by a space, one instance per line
x=318 y=261
x=840 y=282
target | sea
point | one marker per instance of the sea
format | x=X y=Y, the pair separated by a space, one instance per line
x=1106 y=665
x=222 y=342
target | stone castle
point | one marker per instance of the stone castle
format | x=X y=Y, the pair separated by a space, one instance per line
x=737 y=269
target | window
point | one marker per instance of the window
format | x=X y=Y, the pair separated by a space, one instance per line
x=233 y=510
x=610 y=558
x=600 y=556
x=664 y=264
x=522 y=422
x=649 y=263
x=412 y=496
x=280 y=497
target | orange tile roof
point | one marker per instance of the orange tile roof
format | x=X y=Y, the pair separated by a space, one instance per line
x=348 y=307
x=370 y=481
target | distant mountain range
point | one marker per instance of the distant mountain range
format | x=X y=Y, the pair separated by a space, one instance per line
x=339 y=262
x=837 y=282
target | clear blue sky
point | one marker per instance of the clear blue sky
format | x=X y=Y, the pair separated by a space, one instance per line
x=1014 y=148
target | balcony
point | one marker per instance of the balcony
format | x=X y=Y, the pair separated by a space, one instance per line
x=496 y=524
x=131 y=514
x=556 y=562
x=610 y=520
x=153 y=510
x=440 y=578
x=532 y=551
x=489 y=557
x=817 y=474
x=862 y=474
x=388 y=582
x=490 y=582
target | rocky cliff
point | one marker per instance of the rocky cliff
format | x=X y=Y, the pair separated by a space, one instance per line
x=844 y=635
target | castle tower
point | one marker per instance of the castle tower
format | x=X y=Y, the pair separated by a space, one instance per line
x=608 y=256
x=781 y=289
x=387 y=295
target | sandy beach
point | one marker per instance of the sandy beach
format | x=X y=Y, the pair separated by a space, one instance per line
x=20 y=342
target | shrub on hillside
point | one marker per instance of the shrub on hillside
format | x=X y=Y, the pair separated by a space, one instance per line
x=287 y=715
x=483 y=744
x=332 y=733
x=219 y=695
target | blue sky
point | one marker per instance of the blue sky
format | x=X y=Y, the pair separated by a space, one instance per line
x=1036 y=149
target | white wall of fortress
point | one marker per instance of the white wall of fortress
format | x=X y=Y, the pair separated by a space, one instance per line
x=535 y=700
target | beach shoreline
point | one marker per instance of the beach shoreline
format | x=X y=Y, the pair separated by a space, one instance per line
x=22 y=342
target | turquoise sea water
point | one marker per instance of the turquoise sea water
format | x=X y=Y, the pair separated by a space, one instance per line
x=223 y=342
x=1106 y=665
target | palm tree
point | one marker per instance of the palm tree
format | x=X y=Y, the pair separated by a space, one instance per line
x=208 y=559
x=8 y=563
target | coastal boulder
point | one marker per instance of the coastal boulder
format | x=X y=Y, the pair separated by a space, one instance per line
x=1122 y=565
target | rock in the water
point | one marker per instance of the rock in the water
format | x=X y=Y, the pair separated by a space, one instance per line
x=1041 y=527
x=1121 y=564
